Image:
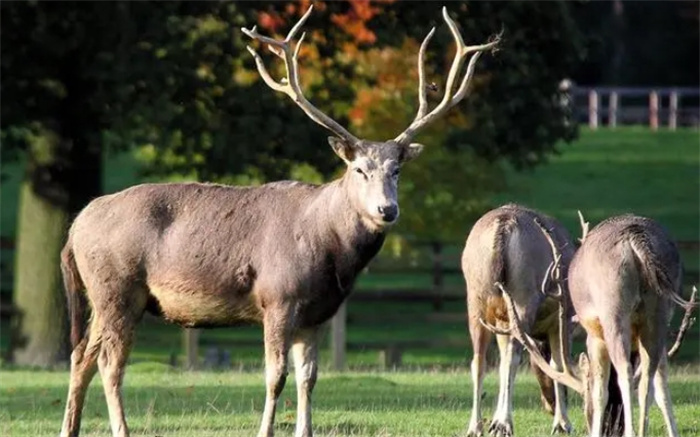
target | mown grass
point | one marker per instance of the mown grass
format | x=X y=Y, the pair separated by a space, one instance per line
x=606 y=172
x=163 y=402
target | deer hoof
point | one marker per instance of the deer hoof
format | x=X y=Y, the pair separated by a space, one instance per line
x=476 y=429
x=561 y=427
x=501 y=429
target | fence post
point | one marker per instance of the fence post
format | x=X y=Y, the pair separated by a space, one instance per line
x=612 y=109
x=673 y=110
x=437 y=275
x=653 y=110
x=338 y=343
x=190 y=338
x=593 y=109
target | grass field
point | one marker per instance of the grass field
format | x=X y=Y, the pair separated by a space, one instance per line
x=161 y=402
x=656 y=174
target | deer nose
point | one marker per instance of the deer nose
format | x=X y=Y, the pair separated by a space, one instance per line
x=389 y=212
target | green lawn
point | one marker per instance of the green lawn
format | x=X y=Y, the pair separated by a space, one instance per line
x=606 y=172
x=161 y=402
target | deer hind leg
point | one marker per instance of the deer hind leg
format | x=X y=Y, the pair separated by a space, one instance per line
x=305 y=353
x=663 y=397
x=481 y=337
x=117 y=338
x=82 y=370
x=277 y=326
x=510 y=351
x=600 y=371
x=561 y=421
x=619 y=348
x=650 y=351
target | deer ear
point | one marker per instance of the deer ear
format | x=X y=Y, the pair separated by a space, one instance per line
x=342 y=148
x=411 y=152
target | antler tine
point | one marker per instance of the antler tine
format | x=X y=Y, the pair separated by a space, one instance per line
x=494 y=329
x=685 y=324
x=300 y=23
x=290 y=85
x=422 y=87
x=567 y=377
x=554 y=269
x=450 y=98
x=584 y=227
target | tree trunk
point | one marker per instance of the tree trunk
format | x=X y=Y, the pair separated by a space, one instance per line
x=39 y=337
x=62 y=176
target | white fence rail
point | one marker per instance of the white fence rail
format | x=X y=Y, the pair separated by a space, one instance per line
x=655 y=107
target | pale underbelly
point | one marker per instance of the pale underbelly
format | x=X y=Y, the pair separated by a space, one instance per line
x=193 y=308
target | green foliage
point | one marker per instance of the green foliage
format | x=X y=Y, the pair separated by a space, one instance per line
x=444 y=192
x=513 y=109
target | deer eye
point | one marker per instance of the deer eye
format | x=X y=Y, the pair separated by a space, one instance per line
x=395 y=173
x=359 y=171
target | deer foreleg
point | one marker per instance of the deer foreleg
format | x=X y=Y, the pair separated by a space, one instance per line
x=305 y=353
x=277 y=327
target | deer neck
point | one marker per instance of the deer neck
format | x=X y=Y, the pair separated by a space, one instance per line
x=339 y=221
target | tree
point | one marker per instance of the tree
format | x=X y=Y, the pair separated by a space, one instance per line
x=79 y=78
x=174 y=81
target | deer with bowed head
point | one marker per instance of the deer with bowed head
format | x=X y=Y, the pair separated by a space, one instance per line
x=623 y=282
x=284 y=254
x=505 y=245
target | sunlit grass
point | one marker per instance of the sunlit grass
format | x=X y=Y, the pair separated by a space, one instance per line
x=161 y=402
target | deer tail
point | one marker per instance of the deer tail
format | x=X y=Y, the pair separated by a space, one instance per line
x=654 y=273
x=504 y=226
x=77 y=302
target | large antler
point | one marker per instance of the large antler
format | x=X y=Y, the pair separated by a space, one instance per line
x=568 y=376
x=515 y=329
x=449 y=99
x=290 y=85
x=685 y=324
x=553 y=272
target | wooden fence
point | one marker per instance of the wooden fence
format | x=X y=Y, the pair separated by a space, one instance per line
x=652 y=106
x=390 y=352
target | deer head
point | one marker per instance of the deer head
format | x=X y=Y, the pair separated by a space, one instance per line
x=373 y=167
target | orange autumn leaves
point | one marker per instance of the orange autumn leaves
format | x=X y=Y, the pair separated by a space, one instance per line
x=386 y=78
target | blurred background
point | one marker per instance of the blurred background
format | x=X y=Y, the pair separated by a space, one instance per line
x=588 y=105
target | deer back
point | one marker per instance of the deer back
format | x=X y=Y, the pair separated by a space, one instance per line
x=505 y=245
x=620 y=261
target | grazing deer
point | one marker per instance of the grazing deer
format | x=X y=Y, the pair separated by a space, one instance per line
x=506 y=246
x=623 y=281
x=284 y=254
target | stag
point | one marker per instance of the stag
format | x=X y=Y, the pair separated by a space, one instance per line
x=284 y=254
x=623 y=282
x=505 y=246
